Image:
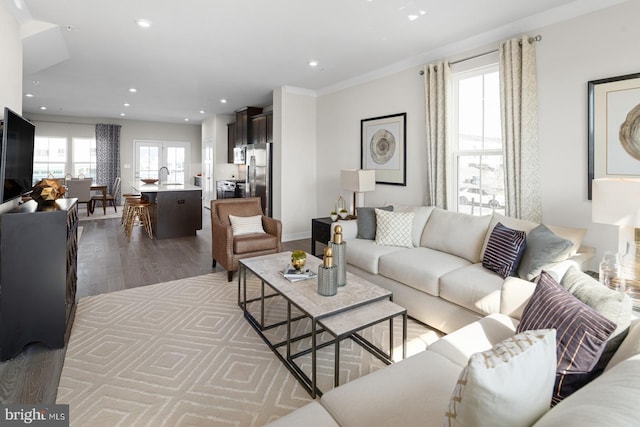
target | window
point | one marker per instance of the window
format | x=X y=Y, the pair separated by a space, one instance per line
x=84 y=157
x=50 y=157
x=58 y=157
x=477 y=141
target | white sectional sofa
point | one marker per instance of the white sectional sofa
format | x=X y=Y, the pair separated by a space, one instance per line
x=441 y=280
x=424 y=389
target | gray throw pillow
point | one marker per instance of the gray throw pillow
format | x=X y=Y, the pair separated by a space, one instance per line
x=543 y=247
x=614 y=305
x=367 y=222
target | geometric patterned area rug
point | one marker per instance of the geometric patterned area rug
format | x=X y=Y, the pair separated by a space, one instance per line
x=181 y=353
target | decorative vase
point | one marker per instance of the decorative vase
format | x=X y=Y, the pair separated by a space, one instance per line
x=334 y=217
x=344 y=214
x=610 y=271
x=339 y=249
x=327 y=275
x=631 y=271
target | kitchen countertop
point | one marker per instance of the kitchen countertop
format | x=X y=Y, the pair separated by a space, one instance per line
x=160 y=188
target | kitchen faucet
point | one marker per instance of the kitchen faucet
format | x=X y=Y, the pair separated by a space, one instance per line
x=160 y=174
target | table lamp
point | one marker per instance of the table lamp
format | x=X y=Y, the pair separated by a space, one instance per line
x=358 y=181
x=617 y=201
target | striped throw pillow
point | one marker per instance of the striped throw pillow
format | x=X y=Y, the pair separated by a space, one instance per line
x=504 y=250
x=246 y=224
x=581 y=332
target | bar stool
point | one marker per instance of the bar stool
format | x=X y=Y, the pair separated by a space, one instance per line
x=127 y=196
x=138 y=209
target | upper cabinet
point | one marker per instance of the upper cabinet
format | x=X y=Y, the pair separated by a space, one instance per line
x=231 y=141
x=262 y=127
x=244 y=130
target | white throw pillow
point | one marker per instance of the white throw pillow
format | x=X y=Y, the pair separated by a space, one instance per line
x=394 y=228
x=246 y=224
x=509 y=385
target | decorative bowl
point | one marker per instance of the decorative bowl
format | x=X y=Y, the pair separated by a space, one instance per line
x=149 y=180
x=298 y=259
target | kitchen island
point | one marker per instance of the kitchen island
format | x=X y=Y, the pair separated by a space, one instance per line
x=176 y=209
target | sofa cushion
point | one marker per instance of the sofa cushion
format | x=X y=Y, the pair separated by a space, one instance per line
x=480 y=335
x=582 y=332
x=367 y=222
x=419 y=268
x=629 y=347
x=254 y=242
x=420 y=218
x=509 y=385
x=473 y=287
x=612 y=399
x=311 y=415
x=614 y=305
x=543 y=248
x=412 y=392
x=456 y=233
x=246 y=224
x=365 y=254
x=394 y=228
x=504 y=250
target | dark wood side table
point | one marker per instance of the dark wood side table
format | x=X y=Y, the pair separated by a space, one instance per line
x=320 y=232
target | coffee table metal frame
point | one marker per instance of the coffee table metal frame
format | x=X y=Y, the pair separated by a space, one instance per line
x=358 y=293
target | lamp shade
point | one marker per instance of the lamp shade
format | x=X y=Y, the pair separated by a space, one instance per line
x=358 y=180
x=616 y=201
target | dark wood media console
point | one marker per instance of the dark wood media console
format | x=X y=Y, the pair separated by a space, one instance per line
x=38 y=275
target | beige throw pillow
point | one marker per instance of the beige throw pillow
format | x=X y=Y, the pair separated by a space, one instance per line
x=394 y=228
x=246 y=224
x=507 y=386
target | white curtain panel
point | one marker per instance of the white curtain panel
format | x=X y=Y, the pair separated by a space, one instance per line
x=437 y=79
x=519 y=103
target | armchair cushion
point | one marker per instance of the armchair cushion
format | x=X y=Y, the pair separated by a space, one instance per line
x=247 y=243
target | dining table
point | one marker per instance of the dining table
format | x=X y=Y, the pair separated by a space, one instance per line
x=103 y=190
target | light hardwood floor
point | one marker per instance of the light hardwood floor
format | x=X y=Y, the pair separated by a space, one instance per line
x=107 y=262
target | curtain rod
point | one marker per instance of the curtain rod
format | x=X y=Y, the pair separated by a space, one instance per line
x=536 y=38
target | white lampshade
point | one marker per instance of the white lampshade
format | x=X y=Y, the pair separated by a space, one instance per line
x=358 y=180
x=616 y=201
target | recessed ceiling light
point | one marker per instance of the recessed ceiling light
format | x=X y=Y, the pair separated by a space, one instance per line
x=43 y=108
x=423 y=12
x=122 y=114
x=313 y=63
x=186 y=120
x=126 y=104
x=28 y=95
x=412 y=17
x=144 y=23
x=133 y=90
x=201 y=111
x=223 y=101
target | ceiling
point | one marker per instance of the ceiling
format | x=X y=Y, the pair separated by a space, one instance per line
x=81 y=57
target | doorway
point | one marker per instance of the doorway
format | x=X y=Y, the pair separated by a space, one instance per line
x=150 y=156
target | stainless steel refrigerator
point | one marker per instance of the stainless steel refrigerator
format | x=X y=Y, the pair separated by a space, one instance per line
x=259 y=174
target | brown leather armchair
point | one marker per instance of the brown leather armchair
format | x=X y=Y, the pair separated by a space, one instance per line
x=227 y=249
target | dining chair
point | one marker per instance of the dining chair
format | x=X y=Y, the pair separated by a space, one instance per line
x=109 y=198
x=81 y=190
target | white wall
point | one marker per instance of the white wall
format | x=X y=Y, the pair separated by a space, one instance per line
x=601 y=44
x=295 y=174
x=11 y=69
x=131 y=130
x=339 y=146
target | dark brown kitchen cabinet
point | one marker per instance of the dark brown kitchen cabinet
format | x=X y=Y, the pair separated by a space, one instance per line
x=38 y=275
x=244 y=130
x=262 y=128
x=231 y=141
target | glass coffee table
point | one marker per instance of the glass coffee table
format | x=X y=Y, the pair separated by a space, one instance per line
x=356 y=306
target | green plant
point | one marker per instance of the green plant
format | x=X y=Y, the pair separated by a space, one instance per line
x=343 y=211
x=334 y=213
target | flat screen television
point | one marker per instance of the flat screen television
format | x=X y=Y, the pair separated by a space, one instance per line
x=16 y=155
